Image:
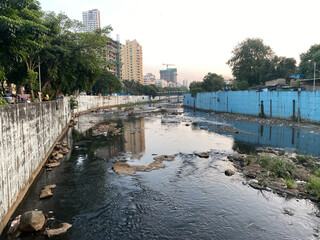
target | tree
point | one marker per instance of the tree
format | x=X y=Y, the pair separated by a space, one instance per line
x=308 y=59
x=247 y=60
x=21 y=36
x=213 y=82
x=277 y=67
x=195 y=84
x=107 y=83
x=72 y=60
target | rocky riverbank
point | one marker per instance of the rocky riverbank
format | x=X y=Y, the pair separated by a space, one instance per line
x=287 y=174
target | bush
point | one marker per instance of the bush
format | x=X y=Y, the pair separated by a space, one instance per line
x=314 y=186
x=73 y=103
x=278 y=167
x=2 y=101
x=290 y=183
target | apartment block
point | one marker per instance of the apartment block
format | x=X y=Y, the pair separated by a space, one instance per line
x=113 y=57
x=91 y=20
x=170 y=75
x=131 y=61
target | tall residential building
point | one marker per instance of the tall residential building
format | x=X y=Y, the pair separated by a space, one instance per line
x=91 y=20
x=131 y=60
x=185 y=83
x=170 y=75
x=113 y=56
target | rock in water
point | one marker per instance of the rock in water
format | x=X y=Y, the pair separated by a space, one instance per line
x=45 y=193
x=229 y=172
x=123 y=168
x=58 y=231
x=203 y=155
x=31 y=221
x=164 y=158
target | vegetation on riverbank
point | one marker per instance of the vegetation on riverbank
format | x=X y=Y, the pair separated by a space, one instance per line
x=285 y=173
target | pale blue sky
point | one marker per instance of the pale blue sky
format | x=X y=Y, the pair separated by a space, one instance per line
x=198 y=36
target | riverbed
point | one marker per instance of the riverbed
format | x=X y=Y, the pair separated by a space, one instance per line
x=191 y=198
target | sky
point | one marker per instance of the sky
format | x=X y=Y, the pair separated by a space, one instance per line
x=198 y=36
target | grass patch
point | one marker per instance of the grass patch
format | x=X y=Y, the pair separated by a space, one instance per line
x=306 y=160
x=279 y=168
x=290 y=183
x=314 y=186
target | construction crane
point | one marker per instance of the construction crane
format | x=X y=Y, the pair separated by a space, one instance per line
x=168 y=64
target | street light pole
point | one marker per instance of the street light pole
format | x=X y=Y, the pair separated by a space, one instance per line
x=314 y=77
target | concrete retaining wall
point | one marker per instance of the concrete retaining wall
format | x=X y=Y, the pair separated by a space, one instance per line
x=28 y=133
x=284 y=105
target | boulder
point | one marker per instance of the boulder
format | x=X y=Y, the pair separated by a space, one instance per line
x=45 y=193
x=52 y=165
x=58 y=231
x=164 y=158
x=203 y=154
x=123 y=168
x=229 y=172
x=65 y=150
x=31 y=221
x=155 y=165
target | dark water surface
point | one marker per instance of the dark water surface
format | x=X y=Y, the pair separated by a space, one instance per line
x=189 y=199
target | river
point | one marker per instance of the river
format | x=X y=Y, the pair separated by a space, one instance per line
x=191 y=198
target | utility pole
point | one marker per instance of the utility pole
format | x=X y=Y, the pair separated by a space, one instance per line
x=39 y=76
x=314 y=76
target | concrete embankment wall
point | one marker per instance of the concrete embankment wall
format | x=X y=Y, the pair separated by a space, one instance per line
x=285 y=105
x=28 y=132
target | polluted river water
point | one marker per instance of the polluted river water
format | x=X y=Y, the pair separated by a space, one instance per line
x=191 y=198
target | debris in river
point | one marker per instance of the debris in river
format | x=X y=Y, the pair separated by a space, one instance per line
x=13 y=230
x=105 y=129
x=288 y=211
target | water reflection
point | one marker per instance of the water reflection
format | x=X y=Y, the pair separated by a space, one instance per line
x=293 y=138
x=132 y=139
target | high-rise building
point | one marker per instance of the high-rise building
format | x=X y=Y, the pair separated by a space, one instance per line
x=131 y=60
x=170 y=75
x=91 y=20
x=185 y=83
x=113 y=57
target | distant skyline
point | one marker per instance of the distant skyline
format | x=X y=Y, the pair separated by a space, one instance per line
x=199 y=36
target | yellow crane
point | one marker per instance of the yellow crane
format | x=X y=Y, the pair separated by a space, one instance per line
x=168 y=64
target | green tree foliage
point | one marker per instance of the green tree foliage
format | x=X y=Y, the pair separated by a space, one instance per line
x=308 y=59
x=196 y=87
x=277 y=67
x=195 y=84
x=247 y=60
x=107 y=83
x=253 y=63
x=72 y=59
x=136 y=88
x=212 y=82
x=21 y=36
